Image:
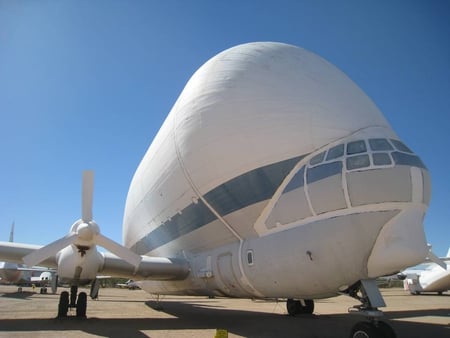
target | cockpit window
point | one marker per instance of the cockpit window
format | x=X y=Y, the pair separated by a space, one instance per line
x=359 y=161
x=317 y=159
x=401 y=146
x=377 y=144
x=356 y=147
x=381 y=159
x=406 y=159
x=335 y=152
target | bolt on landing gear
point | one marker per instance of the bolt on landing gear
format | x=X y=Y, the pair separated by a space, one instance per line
x=367 y=292
x=79 y=304
x=295 y=307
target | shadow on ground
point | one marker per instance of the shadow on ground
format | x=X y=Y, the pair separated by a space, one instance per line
x=198 y=316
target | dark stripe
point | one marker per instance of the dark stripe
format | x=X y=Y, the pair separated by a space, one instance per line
x=254 y=186
x=250 y=188
x=192 y=217
x=323 y=171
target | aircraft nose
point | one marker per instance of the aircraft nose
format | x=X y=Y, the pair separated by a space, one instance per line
x=363 y=171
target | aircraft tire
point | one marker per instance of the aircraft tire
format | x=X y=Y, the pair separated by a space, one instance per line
x=295 y=307
x=369 y=330
x=81 y=305
x=63 y=305
x=308 y=308
x=386 y=330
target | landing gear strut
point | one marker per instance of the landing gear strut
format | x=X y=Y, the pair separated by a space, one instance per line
x=79 y=304
x=367 y=292
x=295 y=307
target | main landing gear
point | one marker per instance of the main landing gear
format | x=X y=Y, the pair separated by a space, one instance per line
x=296 y=307
x=367 y=292
x=66 y=302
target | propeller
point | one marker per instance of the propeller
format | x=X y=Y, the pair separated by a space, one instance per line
x=84 y=233
x=87 y=196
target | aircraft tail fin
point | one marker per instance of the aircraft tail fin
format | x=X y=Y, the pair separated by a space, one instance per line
x=11 y=234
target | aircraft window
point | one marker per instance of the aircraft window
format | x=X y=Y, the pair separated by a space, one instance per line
x=381 y=159
x=335 y=152
x=405 y=159
x=296 y=182
x=250 y=257
x=401 y=146
x=317 y=159
x=359 y=161
x=356 y=147
x=379 y=144
x=323 y=171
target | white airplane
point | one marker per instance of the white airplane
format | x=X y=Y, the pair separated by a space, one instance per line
x=428 y=277
x=21 y=275
x=273 y=176
x=129 y=284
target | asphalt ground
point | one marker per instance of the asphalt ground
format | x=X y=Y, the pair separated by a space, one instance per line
x=134 y=313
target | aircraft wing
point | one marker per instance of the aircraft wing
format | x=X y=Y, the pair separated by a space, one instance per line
x=154 y=268
x=14 y=252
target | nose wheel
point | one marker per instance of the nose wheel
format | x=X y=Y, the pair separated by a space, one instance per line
x=66 y=302
x=367 y=292
x=372 y=330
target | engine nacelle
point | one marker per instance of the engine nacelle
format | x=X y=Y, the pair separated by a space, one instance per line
x=79 y=263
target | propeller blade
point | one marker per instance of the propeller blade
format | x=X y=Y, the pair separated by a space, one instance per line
x=87 y=195
x=51 y=249
x=118 y=250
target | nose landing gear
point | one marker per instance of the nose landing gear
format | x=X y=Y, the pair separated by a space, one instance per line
x=367 y=292
x=79 y=304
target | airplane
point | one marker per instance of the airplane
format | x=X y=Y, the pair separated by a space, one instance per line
x=21 y=275
x=427 y=277
x=129 y=284
x=273 y=176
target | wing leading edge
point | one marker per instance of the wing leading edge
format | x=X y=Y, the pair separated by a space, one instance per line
x=152 y=268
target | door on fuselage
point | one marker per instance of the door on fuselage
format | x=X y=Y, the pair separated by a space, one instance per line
x=229 y=281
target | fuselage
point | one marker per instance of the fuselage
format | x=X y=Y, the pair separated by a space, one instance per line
x=274 y=175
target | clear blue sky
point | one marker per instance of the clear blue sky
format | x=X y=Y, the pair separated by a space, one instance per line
x=87 y=84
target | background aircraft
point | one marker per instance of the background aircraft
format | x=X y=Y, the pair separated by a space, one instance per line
x=129 y=284
x=427 y=277
x=274 y=176
x=22 y=275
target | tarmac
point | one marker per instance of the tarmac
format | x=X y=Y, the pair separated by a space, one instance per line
x=134 y=313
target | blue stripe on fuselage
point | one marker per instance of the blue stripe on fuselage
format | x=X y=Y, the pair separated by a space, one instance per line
x=252 y=187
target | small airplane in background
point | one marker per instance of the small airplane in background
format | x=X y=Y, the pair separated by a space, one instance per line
x=430 y=276
x=22 y=275
x=273 y=176
x=129 y=284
